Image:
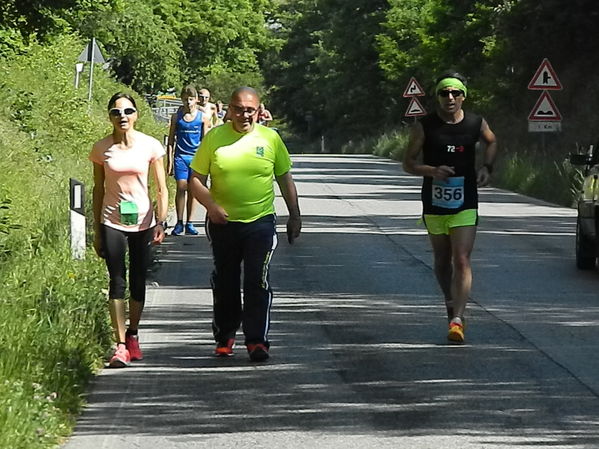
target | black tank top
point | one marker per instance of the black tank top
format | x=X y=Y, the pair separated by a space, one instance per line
x=453 y=145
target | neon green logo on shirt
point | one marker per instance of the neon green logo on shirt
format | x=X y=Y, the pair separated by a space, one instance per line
x=260 y=151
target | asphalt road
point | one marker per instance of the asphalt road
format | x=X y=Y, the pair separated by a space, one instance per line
x=359 y=351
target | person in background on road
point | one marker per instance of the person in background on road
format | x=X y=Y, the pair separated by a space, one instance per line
x=124 y=217
x=242 y=158
x=447 y=140
x=227 y=118
x=188 y=126
x=208 y=108
x=264 y=115
x=220 y=113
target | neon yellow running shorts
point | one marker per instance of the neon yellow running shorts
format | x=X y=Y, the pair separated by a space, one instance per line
x=441 y=224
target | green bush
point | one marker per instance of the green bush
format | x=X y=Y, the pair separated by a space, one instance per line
x=53 y=312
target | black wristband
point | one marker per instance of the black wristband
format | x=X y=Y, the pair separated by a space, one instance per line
x=161 y=223
x=489 y=168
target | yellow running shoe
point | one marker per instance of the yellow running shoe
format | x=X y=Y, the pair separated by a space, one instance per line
x=456 y=332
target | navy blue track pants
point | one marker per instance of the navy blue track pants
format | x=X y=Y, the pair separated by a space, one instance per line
x=233 y=244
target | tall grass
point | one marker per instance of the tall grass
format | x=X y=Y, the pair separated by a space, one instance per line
x=54 y=327
x=541 y=176
x=391 y=144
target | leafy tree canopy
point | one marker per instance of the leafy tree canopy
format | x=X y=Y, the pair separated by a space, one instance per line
x=335 y=67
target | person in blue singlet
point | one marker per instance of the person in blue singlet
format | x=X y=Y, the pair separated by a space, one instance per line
x=447 y=140
x=188 y=127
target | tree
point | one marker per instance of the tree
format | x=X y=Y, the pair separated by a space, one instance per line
x=143 y=50
x=42 y=18
x=326 y=75
x=291 y=71
x=24 y=21
x=223 y=36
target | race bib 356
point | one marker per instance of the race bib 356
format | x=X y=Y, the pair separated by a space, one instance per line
x=448 y=194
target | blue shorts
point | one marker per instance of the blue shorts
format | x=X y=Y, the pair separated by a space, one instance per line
x=181 y=167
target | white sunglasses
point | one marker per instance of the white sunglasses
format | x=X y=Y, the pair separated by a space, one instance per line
x=118 y=112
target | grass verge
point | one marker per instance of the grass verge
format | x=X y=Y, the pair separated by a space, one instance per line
x=53 y=313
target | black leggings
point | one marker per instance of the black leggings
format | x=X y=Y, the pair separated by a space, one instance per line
x=115 y=244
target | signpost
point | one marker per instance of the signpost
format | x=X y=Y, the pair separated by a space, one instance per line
x=545 y=78
x=544 y=127
x=544 y=116
x=413 y=91
x=91 y=54
x=545 y=110
x=415 y=108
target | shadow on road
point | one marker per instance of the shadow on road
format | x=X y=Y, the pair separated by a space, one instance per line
x=358 y=332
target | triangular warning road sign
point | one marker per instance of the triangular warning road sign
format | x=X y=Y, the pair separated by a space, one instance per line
x=545 y=110
x=545 y=78
x=415 y=109
x=413 y=89
x=86 y=54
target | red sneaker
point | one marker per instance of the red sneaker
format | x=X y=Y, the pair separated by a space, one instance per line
x=224 y=349
x=258 y=352
x=132 y=344
x=121 y=357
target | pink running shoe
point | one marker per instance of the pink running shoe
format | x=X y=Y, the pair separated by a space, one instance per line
x=132 y=344
x=121 y=357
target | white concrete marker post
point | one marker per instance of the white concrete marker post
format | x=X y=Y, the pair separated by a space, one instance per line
x=78 y=70
x=77 y=217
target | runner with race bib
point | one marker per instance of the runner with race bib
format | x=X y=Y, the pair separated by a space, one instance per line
x=447 y=139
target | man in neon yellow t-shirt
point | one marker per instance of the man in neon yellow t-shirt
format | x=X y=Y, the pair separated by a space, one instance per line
x=242 y=158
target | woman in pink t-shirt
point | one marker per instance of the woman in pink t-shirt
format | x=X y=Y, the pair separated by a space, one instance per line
x=124 y=217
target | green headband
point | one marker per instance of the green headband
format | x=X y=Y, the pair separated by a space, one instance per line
x=452 y=82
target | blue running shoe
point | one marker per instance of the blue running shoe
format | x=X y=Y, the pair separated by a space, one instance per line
x=190 y=230
x=178 y=229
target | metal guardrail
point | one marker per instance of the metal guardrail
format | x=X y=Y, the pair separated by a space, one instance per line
x=164 y=113
x=165 y=108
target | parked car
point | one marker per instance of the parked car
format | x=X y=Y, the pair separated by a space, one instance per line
x=587 y=222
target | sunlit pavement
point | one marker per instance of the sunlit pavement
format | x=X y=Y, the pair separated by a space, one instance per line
x=359 y=355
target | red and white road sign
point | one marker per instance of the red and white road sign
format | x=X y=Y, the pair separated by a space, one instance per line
x=545 y=78
x=545 y=110
x=415 y=108
x=413 y=89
